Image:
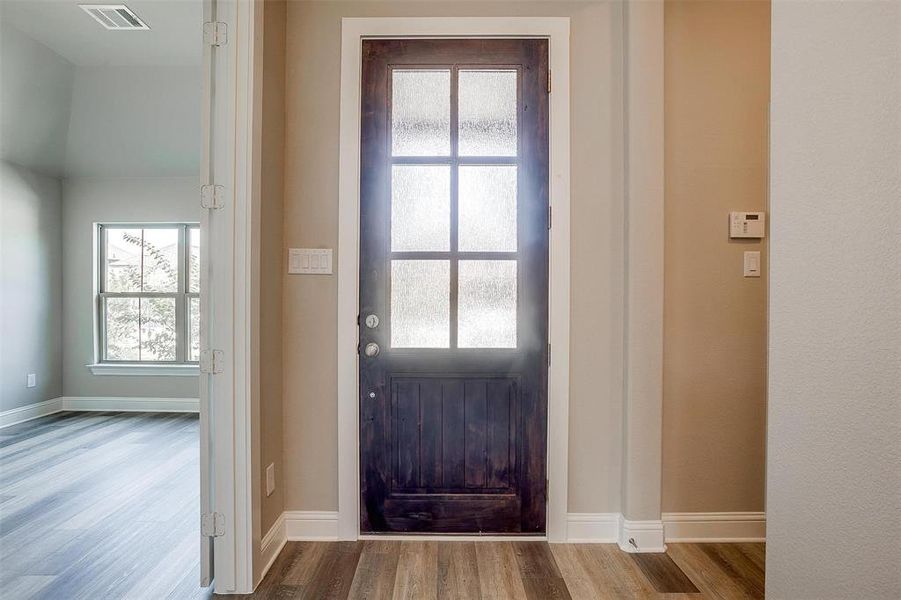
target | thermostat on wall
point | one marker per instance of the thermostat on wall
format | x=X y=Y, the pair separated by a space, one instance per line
x=747 y=224
x=310 y=261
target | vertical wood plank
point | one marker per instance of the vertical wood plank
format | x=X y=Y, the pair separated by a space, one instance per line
x=476 y=433
x=430 y=471
x=406 y=428
x=499 y=433
x=454 y=434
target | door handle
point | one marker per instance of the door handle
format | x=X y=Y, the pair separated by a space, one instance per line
x=371 y=350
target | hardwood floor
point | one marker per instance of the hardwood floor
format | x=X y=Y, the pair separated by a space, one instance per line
x=495 y=570
x=100 y=506
x=103 y=506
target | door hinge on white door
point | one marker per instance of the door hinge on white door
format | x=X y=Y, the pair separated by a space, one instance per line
x=211 y=361
x=215 y=33
x=548 y=81
x=212 y=196
x=212 y=524
x=550 y=216
x=548 y=355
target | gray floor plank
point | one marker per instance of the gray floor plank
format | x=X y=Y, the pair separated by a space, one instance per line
x=100 y=506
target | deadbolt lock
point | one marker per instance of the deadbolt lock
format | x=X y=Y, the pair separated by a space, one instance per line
x=372 y=321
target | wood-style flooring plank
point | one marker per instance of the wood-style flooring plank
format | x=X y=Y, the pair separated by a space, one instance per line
x=711 y=572
x=104 y=506
x=334 y=574
x=417 y=571
x=538 y=570
x=664 y=574
x=514 y=570
x=376 y=571
x=458 y=571
x=100 y=505
x=601 y=571
x=499 y=576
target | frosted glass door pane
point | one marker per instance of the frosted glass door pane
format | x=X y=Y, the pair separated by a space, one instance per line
x=488 y=208
x=420 y=113
x=487 y=101
x=420 y=303
x=487 y=304
x=420 y=207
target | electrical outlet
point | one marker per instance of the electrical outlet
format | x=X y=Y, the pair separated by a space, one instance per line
x=31 y=380
x=270 y=479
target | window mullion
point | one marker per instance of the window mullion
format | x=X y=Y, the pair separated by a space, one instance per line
x=181 y=332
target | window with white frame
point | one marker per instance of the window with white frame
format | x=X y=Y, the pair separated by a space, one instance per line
x=149 y=293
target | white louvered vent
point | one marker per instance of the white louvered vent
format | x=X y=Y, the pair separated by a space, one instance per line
x=115 y=16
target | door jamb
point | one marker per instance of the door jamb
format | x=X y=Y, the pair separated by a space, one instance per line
x=230 y=156
x=353 y=31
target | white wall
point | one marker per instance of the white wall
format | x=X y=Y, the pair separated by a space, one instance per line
x=35 y=93
x=87 y=201
x=30 y=287
x=135 y=122
x=834 y=447
x=93 y=126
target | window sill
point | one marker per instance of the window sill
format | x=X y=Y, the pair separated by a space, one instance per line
x=144 y=370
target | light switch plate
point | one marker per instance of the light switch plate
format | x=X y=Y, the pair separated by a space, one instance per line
x=752 y=263
x=31 y=380
x=310 y=261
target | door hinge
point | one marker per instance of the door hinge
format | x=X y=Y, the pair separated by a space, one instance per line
x=548 y=355
x=548 y=81
x=212 y=196
x=550 y=216
x=211 y=361
x=212 y=524
x=215 y=33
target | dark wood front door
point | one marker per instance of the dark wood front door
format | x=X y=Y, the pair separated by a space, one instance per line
x=454 y=286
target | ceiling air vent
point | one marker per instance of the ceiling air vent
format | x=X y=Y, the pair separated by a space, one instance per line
x=114 y=16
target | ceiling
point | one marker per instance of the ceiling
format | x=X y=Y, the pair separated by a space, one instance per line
x=174 y=38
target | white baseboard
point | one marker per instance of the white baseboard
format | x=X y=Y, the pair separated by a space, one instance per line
x=641 y=536
x=305 y=525
x=592 y=528
x=130 y=404
x=271 y=545
x=97 y=404
x=30 y=411
x=582 y=528
x=715 y=527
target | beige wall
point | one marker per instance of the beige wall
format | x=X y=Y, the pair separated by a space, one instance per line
x=272 y=254
x=716 y=95
x=311 y=211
